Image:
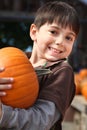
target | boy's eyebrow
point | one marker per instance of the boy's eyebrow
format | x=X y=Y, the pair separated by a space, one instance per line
x=71 y=33
x=59 y=28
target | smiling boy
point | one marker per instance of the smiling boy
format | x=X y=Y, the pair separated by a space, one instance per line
x=53 y=32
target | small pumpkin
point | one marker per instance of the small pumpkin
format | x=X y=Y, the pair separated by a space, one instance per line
x=25 y=86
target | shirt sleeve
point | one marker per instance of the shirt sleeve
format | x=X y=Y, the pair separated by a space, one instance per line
x=41 y=116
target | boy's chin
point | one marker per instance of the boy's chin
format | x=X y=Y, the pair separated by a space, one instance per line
x=52 y=59
x=55 y=59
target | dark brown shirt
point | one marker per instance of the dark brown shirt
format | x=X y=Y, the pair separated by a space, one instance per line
x=57 y=85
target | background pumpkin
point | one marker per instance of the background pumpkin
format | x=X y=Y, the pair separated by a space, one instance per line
x=77 y=80
x=25 y=86
x=83 y=73
x=84 y=87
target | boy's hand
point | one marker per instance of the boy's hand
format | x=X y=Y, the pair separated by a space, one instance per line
x=5 y=83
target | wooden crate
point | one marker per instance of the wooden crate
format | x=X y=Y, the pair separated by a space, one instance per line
x=76 y=115
x=69 y=126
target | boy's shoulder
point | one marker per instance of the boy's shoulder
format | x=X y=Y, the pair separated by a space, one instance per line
x=59 y=64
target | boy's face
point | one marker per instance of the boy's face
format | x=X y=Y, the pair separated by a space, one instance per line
x=52 y=41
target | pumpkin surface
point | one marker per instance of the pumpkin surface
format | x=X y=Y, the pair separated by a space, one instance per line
x=84 y=87
x=25 y=86
x=83 y=73
x=77 y=80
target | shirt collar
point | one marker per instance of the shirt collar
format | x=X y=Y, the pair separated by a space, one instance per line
x=49 y=63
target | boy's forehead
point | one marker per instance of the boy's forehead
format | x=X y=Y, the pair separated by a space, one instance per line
x=58 y=26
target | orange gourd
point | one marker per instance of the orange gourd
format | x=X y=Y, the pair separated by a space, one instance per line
x=84 y=87
x=83 y=73
x=25 y=86
x=77 y=80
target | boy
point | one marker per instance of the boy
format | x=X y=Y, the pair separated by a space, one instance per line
x=53 y=32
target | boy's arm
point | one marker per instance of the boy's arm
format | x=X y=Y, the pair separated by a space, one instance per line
x=39 y=117
x=0 y=110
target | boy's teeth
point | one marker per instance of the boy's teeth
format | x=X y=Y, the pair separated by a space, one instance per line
x=54 y=49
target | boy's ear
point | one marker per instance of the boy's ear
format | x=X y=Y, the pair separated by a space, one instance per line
x=33 y=30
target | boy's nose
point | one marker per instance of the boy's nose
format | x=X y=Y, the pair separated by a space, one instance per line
x=59 y=40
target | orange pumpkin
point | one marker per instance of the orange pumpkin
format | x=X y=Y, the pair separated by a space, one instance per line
x=83 y=73
x=25 y=86
x=77 y=80
x=84 y=87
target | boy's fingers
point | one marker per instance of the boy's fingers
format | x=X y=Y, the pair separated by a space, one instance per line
x=2 y=69
x=3 y=87
x=6 y=80
x=2 y=94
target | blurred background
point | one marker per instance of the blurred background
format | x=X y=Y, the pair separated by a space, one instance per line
x=17 y=15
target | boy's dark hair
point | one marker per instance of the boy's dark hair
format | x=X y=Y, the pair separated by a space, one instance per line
x=59 y=12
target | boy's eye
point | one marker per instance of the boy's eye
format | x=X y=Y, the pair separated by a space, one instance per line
x=69 y=38
x=53 y=32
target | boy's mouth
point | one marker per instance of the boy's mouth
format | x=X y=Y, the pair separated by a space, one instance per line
x=54 y=50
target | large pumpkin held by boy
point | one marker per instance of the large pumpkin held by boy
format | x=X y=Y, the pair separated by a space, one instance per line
x=25 y=86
